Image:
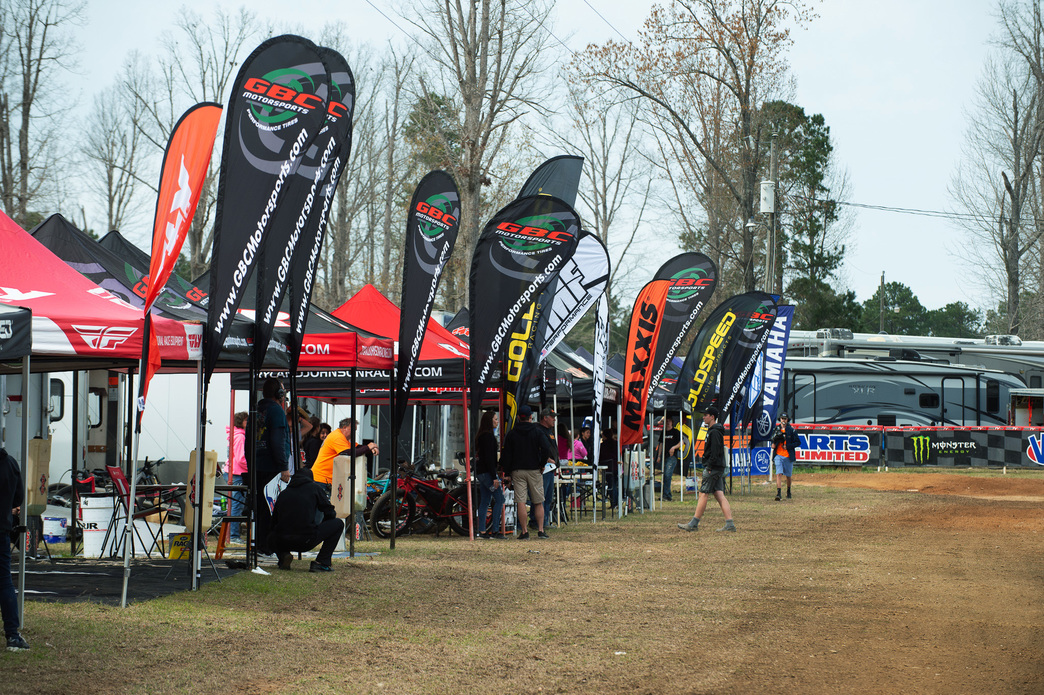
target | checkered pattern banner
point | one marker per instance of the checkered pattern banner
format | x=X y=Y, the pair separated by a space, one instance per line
x=980 y=447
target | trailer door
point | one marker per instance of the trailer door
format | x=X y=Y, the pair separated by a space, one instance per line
x=802 y=397
x=952 y=403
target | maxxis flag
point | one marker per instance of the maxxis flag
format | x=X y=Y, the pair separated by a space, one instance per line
x=274 y=114
x=693 y=277
x=431 y=233
x=184 y=168
x=519 y=252
x=742 y=319
x=576 y=289
x=641 y=348
x=340 y=107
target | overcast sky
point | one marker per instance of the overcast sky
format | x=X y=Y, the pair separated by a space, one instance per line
x=893 y=79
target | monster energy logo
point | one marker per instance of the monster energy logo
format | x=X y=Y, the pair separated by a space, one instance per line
x=921 y=448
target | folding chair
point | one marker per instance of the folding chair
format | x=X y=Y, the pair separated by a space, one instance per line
x=121 y=491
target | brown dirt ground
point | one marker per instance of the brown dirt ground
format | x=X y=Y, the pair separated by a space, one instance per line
x=859 y=584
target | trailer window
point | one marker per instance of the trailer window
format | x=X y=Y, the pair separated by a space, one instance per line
x=992 y=396
x=929 y=400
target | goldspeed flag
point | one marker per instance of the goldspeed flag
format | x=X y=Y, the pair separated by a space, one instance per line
x=431 y=232
x=274 y=114
x=518 y=253
x=641 y=348
x=738 y=315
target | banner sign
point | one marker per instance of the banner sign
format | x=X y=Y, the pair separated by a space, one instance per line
x=742 y=352
x=340 y=107
x=274 y=114
x=764 y=402
x=641 y=348
x=693 y=278
x=601 y=352
x=558 y=176
x=431 y=232
x=518 y=254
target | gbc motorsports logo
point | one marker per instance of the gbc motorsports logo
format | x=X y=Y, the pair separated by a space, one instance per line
x=687 y=283
x=532 y=235
x=434 y=216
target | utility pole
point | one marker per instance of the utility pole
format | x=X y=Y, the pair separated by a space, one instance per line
x=881 y=295
x=768 y=206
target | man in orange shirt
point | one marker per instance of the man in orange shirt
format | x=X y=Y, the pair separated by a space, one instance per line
x=784 y=445
x=336 y=443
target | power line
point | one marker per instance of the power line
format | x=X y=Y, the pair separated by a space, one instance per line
x=619 y=33
x=969 y=216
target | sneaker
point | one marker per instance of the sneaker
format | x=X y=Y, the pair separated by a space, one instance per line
x=543 y=534
x=729 y=526
x=666 y=498
x=319 y=567
x=693 y=525
x=524 y=536
x=284 y=560
x=498 y=536
x=484 y=536
x=16 y=643
x=778 y=498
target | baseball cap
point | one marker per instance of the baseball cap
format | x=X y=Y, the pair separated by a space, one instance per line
x=784 y=416
x=524 y=410
x=713 y=410
x=547 y=411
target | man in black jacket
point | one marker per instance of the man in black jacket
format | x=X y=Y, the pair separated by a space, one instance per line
x=784 y=449
x=526 y=451
x=12 y=496
x=303 y=519
x=713 y=473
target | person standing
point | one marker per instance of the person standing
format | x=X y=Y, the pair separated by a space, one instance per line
x=486 y=470
x=12 y=496
x=338 y=442
x=527 y=450
x=713 y=473
x=311 y=443
x=236 y=471
x=669 y=448
x=785 y=443
x=272 y=456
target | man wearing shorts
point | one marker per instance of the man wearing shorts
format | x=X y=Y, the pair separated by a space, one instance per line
x=526 y=450
x=713 y=473
x=784 y=446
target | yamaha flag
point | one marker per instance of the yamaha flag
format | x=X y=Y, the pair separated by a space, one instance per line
x=340 y=107
x=763 y=409
x=641 y=348
x=274 y=113
x=693 y=277
x=518 y=253
x=431 y=232
x=722 y=328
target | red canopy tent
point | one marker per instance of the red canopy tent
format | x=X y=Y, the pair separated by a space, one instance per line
x=74 y=319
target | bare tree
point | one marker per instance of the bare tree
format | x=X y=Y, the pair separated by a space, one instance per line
x=487 y=53
x=113 y=149
x=35 y=43
x=703 y=67
x=995 y=185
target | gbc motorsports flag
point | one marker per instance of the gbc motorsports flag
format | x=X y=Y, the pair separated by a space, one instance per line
x=558 y=176
x=431 y=232
x=722 y=328
x=274 y=114
x=741 y=354
x=518 y=253
x=693 y=277
x=641 y=347
x=340 y=106
x=579 y=284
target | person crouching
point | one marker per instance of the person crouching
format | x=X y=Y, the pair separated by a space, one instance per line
x=303 y=519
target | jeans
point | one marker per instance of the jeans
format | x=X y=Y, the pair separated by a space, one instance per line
x=549 y=488
x=8 y=597
x=669 y=464
x=487 y=493
x=238 y=506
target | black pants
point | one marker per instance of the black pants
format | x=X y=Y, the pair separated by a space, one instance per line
x=328 y=533
x=262 y=516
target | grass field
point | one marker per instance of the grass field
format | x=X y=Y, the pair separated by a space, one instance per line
x=933 y=585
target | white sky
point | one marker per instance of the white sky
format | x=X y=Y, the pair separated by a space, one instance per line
x=892 y=78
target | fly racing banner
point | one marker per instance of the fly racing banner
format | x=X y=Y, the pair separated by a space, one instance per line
x=340 y=106
x=274 y=113
x=741 y=353
x=545 y=323
x=558 y=176
x=699 y=373
x=766 y=382
x=519 y=252
x=693 y=277
x=302 y=196
x=641 y=349
x=431 y=232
